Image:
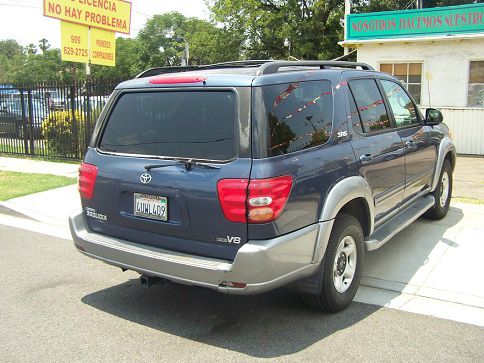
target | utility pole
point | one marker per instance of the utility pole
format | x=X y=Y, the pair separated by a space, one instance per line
x=347 y=12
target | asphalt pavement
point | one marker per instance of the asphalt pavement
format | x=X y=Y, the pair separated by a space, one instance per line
x=64 y=306
x=57 y=305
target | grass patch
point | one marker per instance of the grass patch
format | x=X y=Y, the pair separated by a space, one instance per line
x=17 y=147
x=40 y=157
x=467 y=200
x=14 y=184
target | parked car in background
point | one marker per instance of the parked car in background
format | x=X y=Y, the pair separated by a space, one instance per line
x=14 y=122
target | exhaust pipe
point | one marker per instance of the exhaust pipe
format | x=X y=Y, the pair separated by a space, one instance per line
x=148 y=281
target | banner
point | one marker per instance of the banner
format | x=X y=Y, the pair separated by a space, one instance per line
x=74 y=42
x=443 y=21
x=103 y=47
x=114 y=15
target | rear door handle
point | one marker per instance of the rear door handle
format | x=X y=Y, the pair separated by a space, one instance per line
x=366 y=158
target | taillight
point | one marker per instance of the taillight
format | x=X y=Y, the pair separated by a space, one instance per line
x=87 y=180
x=267 y=198
x=232 y=194
x=259 y=200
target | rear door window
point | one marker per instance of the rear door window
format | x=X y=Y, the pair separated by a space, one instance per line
x=370 y=105
x=299 y=115
x=185 y=124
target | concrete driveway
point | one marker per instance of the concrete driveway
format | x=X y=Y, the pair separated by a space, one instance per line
x=432 y=267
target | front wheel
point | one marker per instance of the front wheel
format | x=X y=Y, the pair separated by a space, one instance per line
x=442 y=193
x=341 y=266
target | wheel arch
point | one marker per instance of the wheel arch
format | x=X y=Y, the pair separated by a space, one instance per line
x=446 y=152
x=351 y=195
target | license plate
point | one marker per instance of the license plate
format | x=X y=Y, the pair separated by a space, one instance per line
x=150 y=206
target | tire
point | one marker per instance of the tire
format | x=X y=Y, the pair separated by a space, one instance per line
x=337 y=291
x=442 y=193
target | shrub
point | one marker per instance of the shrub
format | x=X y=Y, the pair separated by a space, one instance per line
x=64 y=133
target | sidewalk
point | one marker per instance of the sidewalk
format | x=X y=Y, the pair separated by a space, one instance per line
x=51 y=207
x=432 y=267
x=38 y=166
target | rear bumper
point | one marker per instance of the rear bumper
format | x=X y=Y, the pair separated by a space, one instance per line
x=261 y=265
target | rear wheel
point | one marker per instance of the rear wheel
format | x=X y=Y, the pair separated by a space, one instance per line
x=442 y=193
x=341 y=266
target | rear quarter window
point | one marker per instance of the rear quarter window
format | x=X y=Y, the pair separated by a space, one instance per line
x=298 y=115
x=185 y=124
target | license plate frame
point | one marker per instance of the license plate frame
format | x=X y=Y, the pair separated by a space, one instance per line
x=152 y=208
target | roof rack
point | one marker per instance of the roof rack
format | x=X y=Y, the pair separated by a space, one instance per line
x=234 y=64
x=162 y=70
x=237 y=64
x=273 y=67
x=264 y=66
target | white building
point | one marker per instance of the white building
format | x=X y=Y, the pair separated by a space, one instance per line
x=438 y=54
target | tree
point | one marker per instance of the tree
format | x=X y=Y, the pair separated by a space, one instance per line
x=31 y=49
x=40 y=67
x=44 y=44
x=161 y=41
x=12 y=57
x=312 y=27
x=158 y=47
x=209 y=44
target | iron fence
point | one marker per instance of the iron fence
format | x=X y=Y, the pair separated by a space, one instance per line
x=53 y=119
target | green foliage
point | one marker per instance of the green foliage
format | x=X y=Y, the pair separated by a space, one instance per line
x=64 y=132
x=11 y=59
x=312 y=27
x=239 y=29
x=161 y=41
x=44 y=44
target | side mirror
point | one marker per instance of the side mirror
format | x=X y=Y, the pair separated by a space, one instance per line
x=433 y=116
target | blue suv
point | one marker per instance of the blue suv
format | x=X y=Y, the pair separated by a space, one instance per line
x=246 y=176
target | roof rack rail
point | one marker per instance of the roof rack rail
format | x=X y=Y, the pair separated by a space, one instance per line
x=264 y=66
x=162 y=70
x=234 y=64
x=273 y=67
x=237 y=64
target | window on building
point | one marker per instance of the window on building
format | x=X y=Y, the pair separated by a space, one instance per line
x=371 y=108
x=410 y=74
x=475 y=92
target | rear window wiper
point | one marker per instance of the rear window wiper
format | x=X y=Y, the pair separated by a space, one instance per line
x=188 y=165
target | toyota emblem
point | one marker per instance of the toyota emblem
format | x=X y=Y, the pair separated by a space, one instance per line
x=145 y=178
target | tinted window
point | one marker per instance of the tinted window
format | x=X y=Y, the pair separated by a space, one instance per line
x=180 y=124
x=299 y=115
x=370 y=105
x=355 y=117
x=402 y=106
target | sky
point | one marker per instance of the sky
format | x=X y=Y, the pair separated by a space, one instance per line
x=23 y=20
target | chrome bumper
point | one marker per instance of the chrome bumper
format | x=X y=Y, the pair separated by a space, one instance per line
x=261 y=265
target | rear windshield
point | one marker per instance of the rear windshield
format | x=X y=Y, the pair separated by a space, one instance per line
x=186 y=124
x=296 y=115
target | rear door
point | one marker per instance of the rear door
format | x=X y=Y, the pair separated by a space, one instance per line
x=149 y=187
x=377 y=146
